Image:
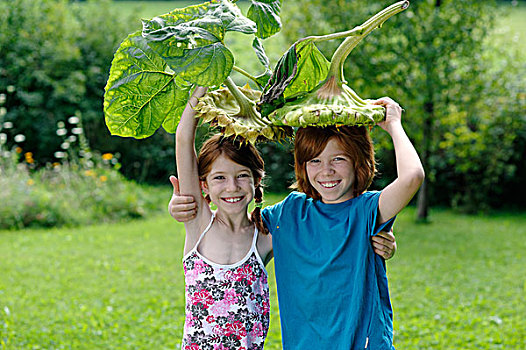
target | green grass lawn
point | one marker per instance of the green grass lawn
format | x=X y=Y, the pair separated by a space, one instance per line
x=457 y=283
x=511 y=27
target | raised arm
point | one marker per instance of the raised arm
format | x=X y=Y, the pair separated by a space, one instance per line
x=186 y=159
x=410 y=171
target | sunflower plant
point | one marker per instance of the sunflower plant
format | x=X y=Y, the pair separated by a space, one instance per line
x=154 y=71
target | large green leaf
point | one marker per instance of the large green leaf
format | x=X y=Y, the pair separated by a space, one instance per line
x=297 y=72
x=266 y=15
x=191 y=40
x=205 y=66
x=204 y=23
x=142 y=91
x=313 y=68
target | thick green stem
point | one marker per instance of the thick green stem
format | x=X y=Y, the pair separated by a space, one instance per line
x=340 y=35
x=245 y=104
x=247 y=107
x=345 y=48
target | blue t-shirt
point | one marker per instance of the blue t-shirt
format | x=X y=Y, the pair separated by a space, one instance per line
x=332 y=287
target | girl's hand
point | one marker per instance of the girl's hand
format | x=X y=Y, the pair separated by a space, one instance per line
x=393 y=113
x=384 y=244
x=199 y=92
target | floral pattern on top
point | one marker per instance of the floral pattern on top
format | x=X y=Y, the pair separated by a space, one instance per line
x=227 y=307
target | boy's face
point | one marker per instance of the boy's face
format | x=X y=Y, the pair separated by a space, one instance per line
x=331 y=173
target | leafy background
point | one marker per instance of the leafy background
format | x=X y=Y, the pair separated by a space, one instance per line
x=475 y=132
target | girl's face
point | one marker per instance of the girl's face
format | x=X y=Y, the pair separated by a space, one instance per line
x=229 y=185
x=331 y=173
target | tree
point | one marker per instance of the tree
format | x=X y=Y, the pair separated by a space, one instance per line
x=54 y=61
x=431 y=59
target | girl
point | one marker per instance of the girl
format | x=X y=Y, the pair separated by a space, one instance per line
x=227 y=296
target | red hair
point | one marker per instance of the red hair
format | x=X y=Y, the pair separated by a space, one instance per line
x=354 y=140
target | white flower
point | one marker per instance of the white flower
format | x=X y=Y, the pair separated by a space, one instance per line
x=20 y=138
x=77 y=131
x=64 y=145
x=59 y=154
x=3 y=111
x=11 y=88
x=6 y=154
x=61 y=125
x=6 y=310
x=62 y=132
x=72 y=138
x=73 y=120
x=2 y=99
x=3 y=138
x=496 y=319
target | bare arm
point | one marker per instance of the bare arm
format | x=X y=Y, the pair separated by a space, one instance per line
x=409 y=168
x=186 y=159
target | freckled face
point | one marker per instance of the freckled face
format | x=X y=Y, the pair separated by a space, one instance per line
x=229 y=185
x=331 y=173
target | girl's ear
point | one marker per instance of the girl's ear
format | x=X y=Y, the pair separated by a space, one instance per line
x=204 y=186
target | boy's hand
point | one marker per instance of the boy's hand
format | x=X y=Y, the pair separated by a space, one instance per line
x=384 y=244
x=182 y=208
x=393 y=112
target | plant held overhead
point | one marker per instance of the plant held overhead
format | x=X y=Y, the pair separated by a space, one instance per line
x=154 y=71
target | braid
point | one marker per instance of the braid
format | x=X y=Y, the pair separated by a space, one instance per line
x=255 y=216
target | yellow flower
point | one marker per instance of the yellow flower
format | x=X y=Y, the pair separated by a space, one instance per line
x=89 y=173
x=29 y=157
x=107 y=156
x=30 y=182
x=56 y=164
x=103 y=178
x=18 y=150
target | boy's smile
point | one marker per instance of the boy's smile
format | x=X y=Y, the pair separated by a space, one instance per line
x=331 y=173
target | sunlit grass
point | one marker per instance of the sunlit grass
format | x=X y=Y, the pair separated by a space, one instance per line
x=457 y=283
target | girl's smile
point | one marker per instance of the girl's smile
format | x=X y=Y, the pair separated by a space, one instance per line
x=331 y=173
x=233 y=199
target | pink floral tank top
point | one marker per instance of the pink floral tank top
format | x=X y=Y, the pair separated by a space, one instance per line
x=227 y=306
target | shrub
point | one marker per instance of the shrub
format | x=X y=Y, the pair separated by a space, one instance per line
x=85 y=187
